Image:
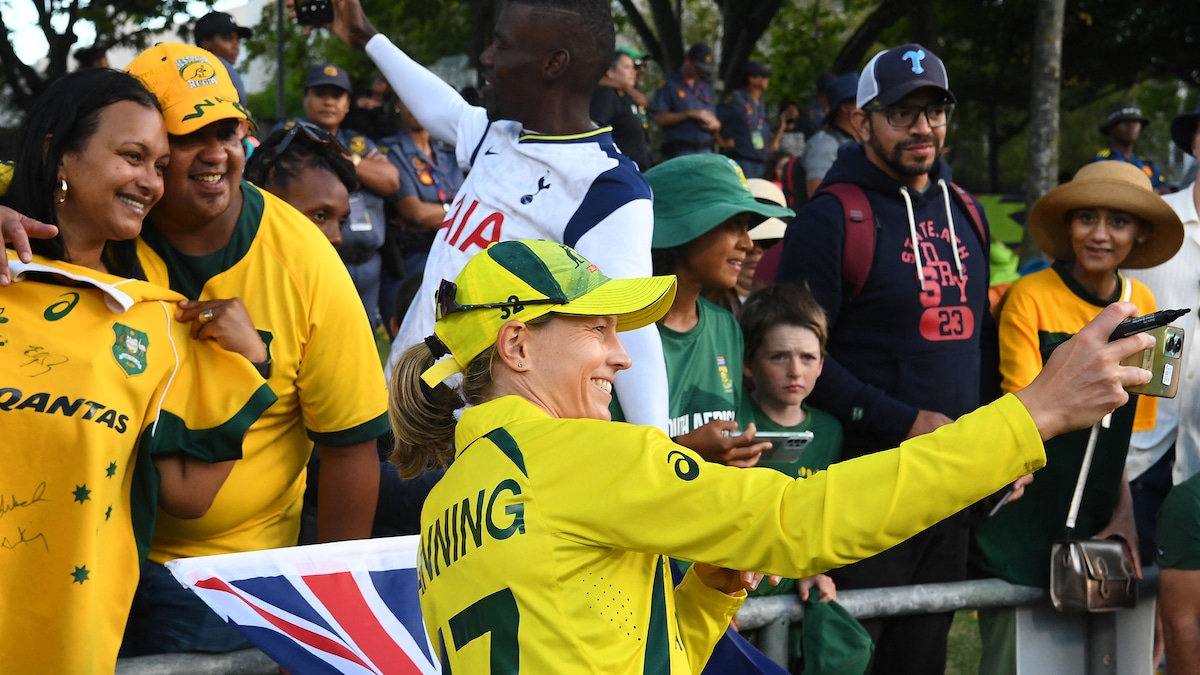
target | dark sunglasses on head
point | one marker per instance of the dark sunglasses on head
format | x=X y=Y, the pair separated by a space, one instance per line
x=447 y=305
x=313 y=133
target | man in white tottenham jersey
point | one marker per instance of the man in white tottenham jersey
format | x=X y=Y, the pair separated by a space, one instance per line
x=539 y=168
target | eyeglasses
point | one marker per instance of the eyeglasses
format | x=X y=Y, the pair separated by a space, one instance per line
x=313 y=133
x=447 y=305
x=905 y=116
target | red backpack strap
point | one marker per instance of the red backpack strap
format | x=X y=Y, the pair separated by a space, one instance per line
x=858 y=248
x=791 y=192
x=968 y=203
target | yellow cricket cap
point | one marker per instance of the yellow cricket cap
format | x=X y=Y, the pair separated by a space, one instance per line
x=522 y=280
x=191 y=84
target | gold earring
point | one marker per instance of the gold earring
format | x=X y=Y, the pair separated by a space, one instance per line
x=62 y=185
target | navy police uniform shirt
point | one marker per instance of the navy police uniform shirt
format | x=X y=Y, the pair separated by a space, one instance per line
x=676 y=96
x=1147 y=167
x=433 y=180
x=745 y=121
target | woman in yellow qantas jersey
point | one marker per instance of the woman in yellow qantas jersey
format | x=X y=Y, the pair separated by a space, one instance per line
x=544 y=548
x=108 y=406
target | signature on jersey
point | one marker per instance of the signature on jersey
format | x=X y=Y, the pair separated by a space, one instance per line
x=38 y=356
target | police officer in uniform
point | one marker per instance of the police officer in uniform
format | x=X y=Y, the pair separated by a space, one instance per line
x=326 y=103
x=685 y=107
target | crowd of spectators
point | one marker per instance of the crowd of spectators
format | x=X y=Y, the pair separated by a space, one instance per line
x=831 y=278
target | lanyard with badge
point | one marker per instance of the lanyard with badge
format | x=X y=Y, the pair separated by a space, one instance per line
x=755 y=121
x=360 y=216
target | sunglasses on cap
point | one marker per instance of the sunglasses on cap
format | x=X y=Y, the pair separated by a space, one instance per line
x=447 y=305
x=310 y=131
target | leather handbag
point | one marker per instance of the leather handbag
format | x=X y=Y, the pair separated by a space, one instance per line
x=1090 y=575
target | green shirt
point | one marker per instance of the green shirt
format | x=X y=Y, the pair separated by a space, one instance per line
x=704 y=371
x=825 y=448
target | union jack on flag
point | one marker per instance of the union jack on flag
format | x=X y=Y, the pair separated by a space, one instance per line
x=345 y=607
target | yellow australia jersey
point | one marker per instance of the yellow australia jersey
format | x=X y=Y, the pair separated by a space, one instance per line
x=542 y=547
x=324 y=368
x=1049 y=306
x=96 y=378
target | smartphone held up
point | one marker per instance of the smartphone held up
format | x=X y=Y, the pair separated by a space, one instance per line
x=314 y=12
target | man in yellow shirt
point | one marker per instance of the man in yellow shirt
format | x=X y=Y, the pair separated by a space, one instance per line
x=214 y=236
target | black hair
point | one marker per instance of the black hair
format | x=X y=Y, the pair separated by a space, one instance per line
x=664 y=260
x=268 y=168
x=773 y=159
x=62 y=121
x=88 y=56
x=616 y=59
x=585 y=27
x=780 y=305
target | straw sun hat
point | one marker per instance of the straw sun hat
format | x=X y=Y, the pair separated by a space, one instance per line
x=1110 y=185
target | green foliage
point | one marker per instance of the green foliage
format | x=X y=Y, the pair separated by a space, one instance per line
x=425 y=30
x=117 y=22
x=802 y=42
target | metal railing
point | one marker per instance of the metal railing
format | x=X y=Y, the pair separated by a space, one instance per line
x=773 y=615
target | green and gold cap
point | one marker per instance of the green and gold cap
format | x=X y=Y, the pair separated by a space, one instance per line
x=522 y=280
x=191 y=84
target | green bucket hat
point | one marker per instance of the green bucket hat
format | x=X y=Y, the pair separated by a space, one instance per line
x=695 y=193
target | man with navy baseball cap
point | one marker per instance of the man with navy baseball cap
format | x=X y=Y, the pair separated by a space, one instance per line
x=1123 y=127
x=904 y=353
x=220 y=34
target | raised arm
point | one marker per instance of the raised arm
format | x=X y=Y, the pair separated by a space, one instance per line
x=761 y=520
x=436 y=104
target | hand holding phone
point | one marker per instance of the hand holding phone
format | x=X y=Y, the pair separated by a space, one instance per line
x=786 y=446
x=314 y=12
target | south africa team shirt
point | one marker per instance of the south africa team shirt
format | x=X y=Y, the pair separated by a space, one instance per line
x=704 y=370
x=96 y=379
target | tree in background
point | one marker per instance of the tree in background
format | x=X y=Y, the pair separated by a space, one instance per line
x=426 y=30
x=1043 y=110
x=117 y=22
x=1112 y=49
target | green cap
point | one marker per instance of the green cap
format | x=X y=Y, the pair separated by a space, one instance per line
x=632 y=52
x=695 y=193
x=834 y=642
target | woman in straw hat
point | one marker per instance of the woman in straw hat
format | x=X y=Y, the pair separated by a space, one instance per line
x=1108 y=217
x=550 y=529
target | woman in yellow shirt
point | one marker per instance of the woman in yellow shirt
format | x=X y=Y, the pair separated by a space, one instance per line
x=550 y=530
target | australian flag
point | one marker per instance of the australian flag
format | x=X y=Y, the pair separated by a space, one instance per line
x=346 y=607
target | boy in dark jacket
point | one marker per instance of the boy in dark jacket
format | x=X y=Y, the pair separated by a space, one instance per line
x=904 y=352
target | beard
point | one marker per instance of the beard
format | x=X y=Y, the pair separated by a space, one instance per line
x=894 y=156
